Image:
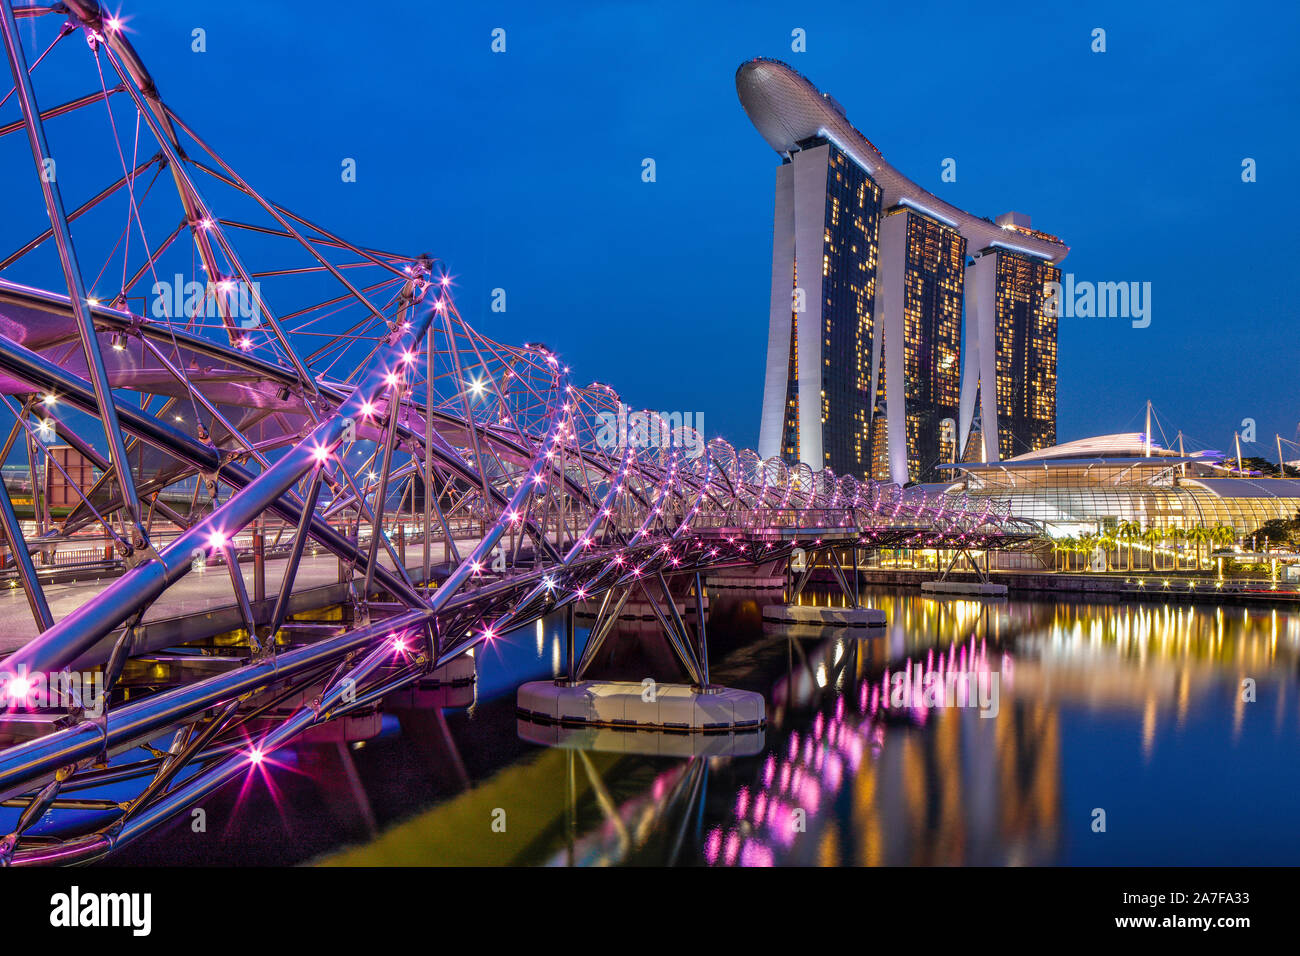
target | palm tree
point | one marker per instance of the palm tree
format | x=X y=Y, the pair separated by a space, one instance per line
x=1087 y=543
x=1199 y=535
x=1128 y=531
x=1223 y=536
x=1152 y=537
x=1061 y=546
x=1177 y=535
x=1108 y=544
x=1077 y=546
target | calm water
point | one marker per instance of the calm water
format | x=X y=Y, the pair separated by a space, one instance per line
x=1135 y=710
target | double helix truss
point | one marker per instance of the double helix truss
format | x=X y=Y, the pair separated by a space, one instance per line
x=239 y=436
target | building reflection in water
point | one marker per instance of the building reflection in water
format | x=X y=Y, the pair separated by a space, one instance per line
x=863 y=781
x=943 y=785
x=1088 y=695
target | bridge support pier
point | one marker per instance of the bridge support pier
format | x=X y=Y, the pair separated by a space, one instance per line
x=769 y=576
x=570 y=640
x=960 y=553
x=697 y=707
x=981 y=588
x=825 y=557
x=853 y=615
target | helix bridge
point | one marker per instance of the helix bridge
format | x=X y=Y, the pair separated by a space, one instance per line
x=273 y=476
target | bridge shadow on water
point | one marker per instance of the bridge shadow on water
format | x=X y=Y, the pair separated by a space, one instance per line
x=875 y=751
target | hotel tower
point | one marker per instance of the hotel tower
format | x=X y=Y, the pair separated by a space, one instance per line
x=868 y=372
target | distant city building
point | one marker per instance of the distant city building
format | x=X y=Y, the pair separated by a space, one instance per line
x=920 y=300
x=820 y=337
x=1010 y=373
x=865 y=371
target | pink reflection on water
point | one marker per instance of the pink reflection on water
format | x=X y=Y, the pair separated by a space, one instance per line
x=713 y=845
x=819 y=762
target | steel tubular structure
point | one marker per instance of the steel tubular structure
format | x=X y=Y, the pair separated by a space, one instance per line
x=215 y=398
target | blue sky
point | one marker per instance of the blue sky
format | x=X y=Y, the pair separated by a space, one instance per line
x=522 y=171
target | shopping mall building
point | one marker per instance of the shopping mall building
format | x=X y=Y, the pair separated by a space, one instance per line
x=1093 y=485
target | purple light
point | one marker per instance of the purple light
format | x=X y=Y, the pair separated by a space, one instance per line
x=18 y=688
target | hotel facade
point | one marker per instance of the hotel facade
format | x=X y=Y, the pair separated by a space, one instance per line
x=868 y=370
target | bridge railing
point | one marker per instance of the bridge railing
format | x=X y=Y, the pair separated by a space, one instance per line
x=763 y=519
x=907 y=517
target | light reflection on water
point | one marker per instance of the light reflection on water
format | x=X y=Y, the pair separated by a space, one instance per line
x=1135 y=710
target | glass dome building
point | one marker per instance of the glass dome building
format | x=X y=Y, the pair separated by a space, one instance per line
x=1094 y=485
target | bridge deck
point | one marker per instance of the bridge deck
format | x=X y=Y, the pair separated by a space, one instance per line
x=199 y=605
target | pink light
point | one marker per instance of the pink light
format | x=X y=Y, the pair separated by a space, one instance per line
x=255 y=756
x=367 y=410
x=321 y=453
x=391 y=379
x=713 y=845
x=216 y=541
x=114 y=24
x=18 y=688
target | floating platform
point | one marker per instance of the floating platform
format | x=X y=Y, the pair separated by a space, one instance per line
x=451 y=685
x=646 y=743
x=640 y=610
x=348 y=729
x=677 y=708
x=820 y=632
x=747 y=582
x=972 y=588
x=457 y=672
x=824 y=616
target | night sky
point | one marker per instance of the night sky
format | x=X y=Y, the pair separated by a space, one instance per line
x=522 y=171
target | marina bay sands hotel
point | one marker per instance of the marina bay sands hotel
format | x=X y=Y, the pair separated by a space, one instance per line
x=868 y=372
